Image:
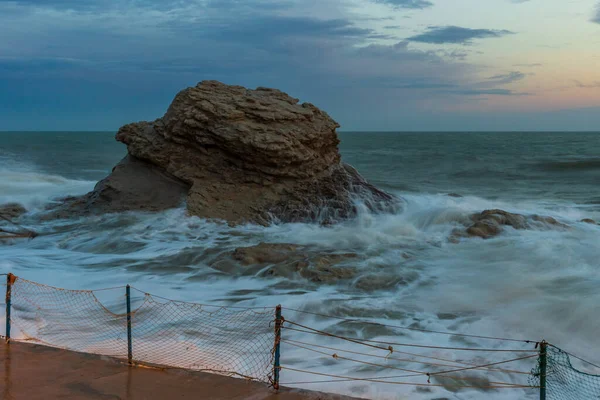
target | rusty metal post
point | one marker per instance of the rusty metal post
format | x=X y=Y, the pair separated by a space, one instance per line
x=10 y=280
x=543 y=367
x=276 y=363
x=129 y=339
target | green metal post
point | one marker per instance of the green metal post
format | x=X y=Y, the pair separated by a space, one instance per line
x=543 y=365
x=276 y=365
x=10 y=279
x=129 y=344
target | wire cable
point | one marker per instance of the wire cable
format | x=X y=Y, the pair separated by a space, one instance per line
x=366 y=342
x=508 y=371
x=380 y=380
x=410 y=329
x=416 y=372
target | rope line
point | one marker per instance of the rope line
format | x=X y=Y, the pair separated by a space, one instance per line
x=509 y=371
x=408 y=353
x=380 y=380
x=414 y=372
x=485 y=365
x=54 y=287
x=574 y=356
x=108 y=288
x=366 y=342
x=269 y=308
x=408 y=328
x=266 y=308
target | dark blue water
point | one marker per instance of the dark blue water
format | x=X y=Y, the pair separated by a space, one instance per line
x=545 y=166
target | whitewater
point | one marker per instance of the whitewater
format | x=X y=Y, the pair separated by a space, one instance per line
x=532 y=284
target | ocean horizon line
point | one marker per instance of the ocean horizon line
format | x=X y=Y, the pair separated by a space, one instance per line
x=339 y=131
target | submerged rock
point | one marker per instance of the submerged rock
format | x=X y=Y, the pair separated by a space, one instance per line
x=589 y=221
x=265 y=253
x=239 y=155
x=384 y=281
x=12 y=210
x=490 y=223
x=288 y=260
x=548 y=221
x=8 y=228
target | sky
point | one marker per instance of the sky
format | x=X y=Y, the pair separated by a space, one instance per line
x=373 y=65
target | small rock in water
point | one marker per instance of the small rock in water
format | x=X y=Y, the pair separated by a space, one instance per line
x=288 y=260
x=12 y=210
x=490 y=223
x=589 y=221
x=379 y=282
x=454 y=195
x=485 y=228
x=264 y=253
x=548 y=221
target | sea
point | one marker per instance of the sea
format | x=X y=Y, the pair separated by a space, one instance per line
x=535 y=284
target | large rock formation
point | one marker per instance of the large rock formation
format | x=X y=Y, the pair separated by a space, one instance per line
x=239 y=155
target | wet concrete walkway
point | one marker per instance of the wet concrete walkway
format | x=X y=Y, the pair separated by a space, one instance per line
x=32 y=372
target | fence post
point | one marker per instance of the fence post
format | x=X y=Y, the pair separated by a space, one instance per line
x=10 y=280
x=129 y=344
x=543 y=365
x=276 y=365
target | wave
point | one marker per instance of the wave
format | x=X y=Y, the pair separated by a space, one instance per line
x=34 y=189
x=576 y=165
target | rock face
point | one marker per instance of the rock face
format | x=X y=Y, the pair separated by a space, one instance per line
x=132 y=185
x=242 y=156
x=490 y=223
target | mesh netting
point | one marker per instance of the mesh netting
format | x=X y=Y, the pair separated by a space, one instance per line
x=224 y=340
x=563 y=381
x=204 y=337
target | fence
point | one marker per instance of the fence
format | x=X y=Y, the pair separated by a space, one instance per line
x=155 y=331
x=248 y=343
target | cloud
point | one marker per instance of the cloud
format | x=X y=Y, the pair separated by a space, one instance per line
x=414 y=4
x=596 y=17
x=456 y=35
x=72 y=61
x=426 y=85
x=460 y=55
x=504 y=79
x=483 y=92
x=59 y=4
x=528 y=65
x=260 y=30
x=144 y=52
x=593 y=85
